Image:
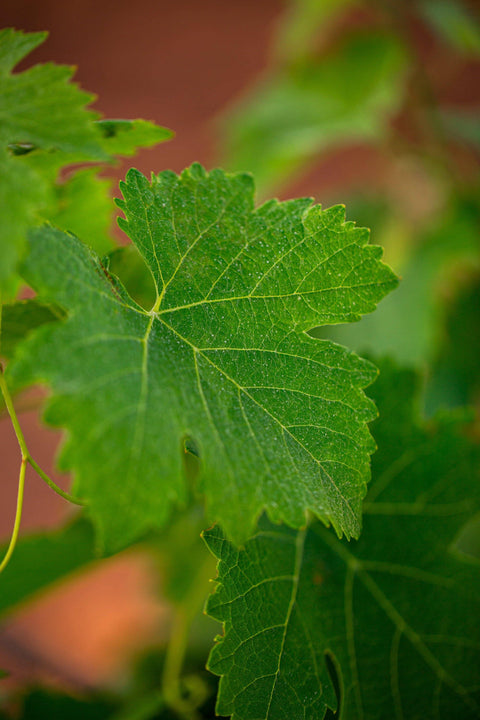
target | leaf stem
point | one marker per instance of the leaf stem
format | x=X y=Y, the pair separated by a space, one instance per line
x=185 y=612
x=174 y=660
x=18 y=516
x=65 y=495
x=13 y=415
x=23 y=446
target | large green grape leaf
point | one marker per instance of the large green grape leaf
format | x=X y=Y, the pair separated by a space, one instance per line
x=396 y=613
x=222 y=361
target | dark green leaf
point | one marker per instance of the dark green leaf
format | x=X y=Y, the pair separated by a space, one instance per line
x=278 y=418
x=454 y=377
x=396 y=612
x=43 y=704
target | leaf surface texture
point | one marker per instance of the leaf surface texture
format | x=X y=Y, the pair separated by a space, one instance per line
x=222 y=359
x=396 y=612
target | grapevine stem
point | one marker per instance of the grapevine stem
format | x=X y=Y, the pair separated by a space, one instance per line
x=174 y=659
x=23 y=446
x=185 y=706
x=18 y=516
x=13 y=415
x=65 y=495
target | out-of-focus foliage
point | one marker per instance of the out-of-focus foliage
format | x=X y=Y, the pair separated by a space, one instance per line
x=454 y=22
x=45 y=127
x=409 y=328
x=346 y=71
x=308 y=106
x=455 y=377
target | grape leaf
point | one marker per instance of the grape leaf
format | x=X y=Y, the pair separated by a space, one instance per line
x=46 y=126
x=41 y=106
x=83 y=205
x=124 y=137
x=409 y=329
x=396 y=613
x=223 y=359
x=15 y=45
x=22 y=193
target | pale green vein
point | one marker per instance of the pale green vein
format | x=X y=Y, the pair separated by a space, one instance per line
x=300 y=542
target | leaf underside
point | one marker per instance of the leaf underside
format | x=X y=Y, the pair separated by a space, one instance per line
x=396 y=612
x=222 y=359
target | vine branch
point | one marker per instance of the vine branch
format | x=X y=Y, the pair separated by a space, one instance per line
x=23 y=446
x=18 y=516
x=26 y=458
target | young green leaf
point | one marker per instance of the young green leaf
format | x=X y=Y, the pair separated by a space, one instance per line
x=41 y=106
x=395 y=613
x=15 y=45
x=45 y=126
x=124 y=137
x=223 y=358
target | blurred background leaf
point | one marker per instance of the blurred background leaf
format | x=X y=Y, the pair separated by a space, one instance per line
x=307 y=106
